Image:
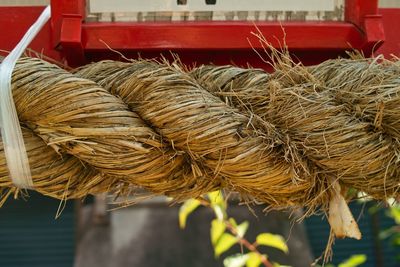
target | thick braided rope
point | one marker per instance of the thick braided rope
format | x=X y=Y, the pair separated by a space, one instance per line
x=279 y=138
x=337 y=139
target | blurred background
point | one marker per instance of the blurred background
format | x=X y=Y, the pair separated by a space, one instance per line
x=88 y=234
x=148 y=234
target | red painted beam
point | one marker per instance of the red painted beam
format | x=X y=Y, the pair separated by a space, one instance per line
x=59 y=10
x=70 y=40
x=357 y=10
x=220 y=35
x=222 y=42
x=391 y=18
x=15 y=21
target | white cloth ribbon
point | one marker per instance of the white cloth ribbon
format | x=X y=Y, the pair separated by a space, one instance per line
x=11 y=133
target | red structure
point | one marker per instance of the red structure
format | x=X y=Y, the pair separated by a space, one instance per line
x=69 y=37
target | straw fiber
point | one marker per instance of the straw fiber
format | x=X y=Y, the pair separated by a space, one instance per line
x=279 y=138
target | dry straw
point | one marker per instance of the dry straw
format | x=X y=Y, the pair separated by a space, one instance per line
x=283 y=139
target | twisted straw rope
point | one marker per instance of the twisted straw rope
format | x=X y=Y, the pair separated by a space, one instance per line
x=278 y=138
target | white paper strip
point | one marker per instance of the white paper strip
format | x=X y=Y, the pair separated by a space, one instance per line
x=340 y=217
x=11 y=134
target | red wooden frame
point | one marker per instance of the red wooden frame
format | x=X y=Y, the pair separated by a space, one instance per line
x=69 y=36
x=362 y=29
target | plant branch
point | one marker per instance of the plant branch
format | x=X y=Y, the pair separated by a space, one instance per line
x=247 y=244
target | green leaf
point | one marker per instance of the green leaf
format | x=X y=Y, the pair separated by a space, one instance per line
x=216 y=198
x=242 y=229
x=272 y=240
x=396 y=239
x=184 y=211
x=254 y=260
x=354 y=261
x=374 y=209
x=275 y=264
x=217 y=229
x=395 y=213
x=237 y=260
x=225 y=242
x=386 y=233
x=219 y=212
x=218 y=204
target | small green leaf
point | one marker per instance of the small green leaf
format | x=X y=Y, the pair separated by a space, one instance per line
x=355 y=260
x=395 y=213
x=254 y=260
x=225 y=242
x=217 y=229
x=184 y=211
x=216 y=198
x=237 y=260
x=374 y=209
x=396 y=239
x=275 y=264
x=386 y=233
x=242 y=229
x=219 y=212
x=272 y=240
x=218 y=204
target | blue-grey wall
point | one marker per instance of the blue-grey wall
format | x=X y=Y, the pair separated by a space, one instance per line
x=31 y=236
